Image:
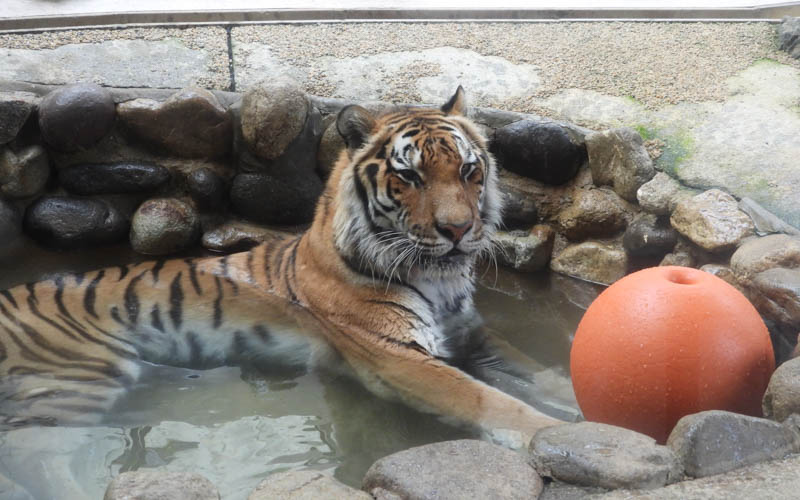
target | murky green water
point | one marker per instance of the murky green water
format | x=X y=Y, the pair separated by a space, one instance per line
x=236 y=428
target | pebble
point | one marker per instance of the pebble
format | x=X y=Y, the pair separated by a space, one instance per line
x=164 y=225
x=65 y=223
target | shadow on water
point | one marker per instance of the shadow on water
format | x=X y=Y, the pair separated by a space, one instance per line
x=235 y=426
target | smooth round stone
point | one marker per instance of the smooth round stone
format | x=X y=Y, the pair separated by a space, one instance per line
x=113 y=178
x=206 y=187
x=64 y=222
x=164 y=225
x=540 y=150
x=273 y=113
x=76 y=116
x=276 y=200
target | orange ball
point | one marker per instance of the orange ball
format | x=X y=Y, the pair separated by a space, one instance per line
x=666 y=342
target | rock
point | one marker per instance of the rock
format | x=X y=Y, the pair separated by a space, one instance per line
x=525 y=250
x=276 y=200
x=789 y=36
x=109 y=178
x=544 y=151
x=273 y=114
x=164 y=225
x=722 y=272
x=191 y=123
x=331 y=146
x=777 y=295
x=238 y=236
x=527 y=201
x=601 y=455
x=207 y=188
x=15 y=108
x=714 y=442
x=556 y=490
x=76 y=116
x=618 y=158
x=455 y=470
x=776 y=480
x=595 y=261
x=783 y=392
x=157 y=485
x=595 y=213
x=683 y=259
x=646 y=236
x=64 y=222
x=712 y=220
x=304 y=485
x=10 y=223
x=765 y=221
x=759 y=254
x=23 y=173
x=661 y=194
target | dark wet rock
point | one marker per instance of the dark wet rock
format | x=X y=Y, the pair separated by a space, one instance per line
x=544 y=151
x=646 y=236
x=273 y=113
x=276 y=200
x=600 y=455
x=594 y=213
x=525 y=250
x=76 y=116
x=207 y=188
x=661 y=194
x=149 y=484
x=163 y=226
x=23 y=173
x=15 y=108
x=10 y=223
x=712 y=220
x=528 y=201
x=782 y=398
x=618 y=158
x=765 y=221
x=789 y=36
x=64 y=222
x=595 y=261
x=113 y=178
x=455 y=470
x=238 y=236
x=330 y=147
x=191 y=123
x=759 y=254
x=714 y=442
x=304 y=485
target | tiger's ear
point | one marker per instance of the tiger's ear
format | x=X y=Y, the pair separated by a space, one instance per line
x=354 y=124
x=457 y=105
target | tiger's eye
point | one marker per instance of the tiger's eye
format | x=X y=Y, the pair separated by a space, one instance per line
x=409 y=176
x=467 y=169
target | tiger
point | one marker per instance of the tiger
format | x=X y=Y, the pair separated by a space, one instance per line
x=381 y=282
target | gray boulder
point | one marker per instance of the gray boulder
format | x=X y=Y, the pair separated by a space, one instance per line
x=540 y=150
x=273 y=113
x=600 y=455
x=163 y=226
x=64 y=222
x=712 y=220
x=759 y=254
x=595 y=261
x=646 y=236
x=782 y=398
x=160 y=485
x=661 y=194
x=15 y=108
x=107 y=178
x=454 y=470
x=714 y=442
x=594 y=213
x=304 y=485
x=789 y=36
x=191 y=123
x=76 y=116
x=525 y=250
x=207 y=188
x=618 y=158
x=23 y=173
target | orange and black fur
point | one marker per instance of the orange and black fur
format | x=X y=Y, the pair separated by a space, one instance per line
x=383 y=277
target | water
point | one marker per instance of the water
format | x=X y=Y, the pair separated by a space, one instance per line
x=236 y=428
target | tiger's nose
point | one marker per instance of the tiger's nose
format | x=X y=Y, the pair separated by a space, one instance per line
x=454 y=232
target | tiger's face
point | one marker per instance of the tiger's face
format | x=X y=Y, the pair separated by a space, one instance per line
x=422 y=191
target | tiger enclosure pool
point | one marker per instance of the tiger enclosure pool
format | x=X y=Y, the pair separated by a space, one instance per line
x=236 y=427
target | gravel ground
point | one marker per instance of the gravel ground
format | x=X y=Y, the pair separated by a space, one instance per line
x=654 y=63
x=213 y=40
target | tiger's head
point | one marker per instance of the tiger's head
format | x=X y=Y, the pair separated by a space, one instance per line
x=417 y=193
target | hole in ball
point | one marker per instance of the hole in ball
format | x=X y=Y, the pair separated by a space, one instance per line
x=681 y=277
